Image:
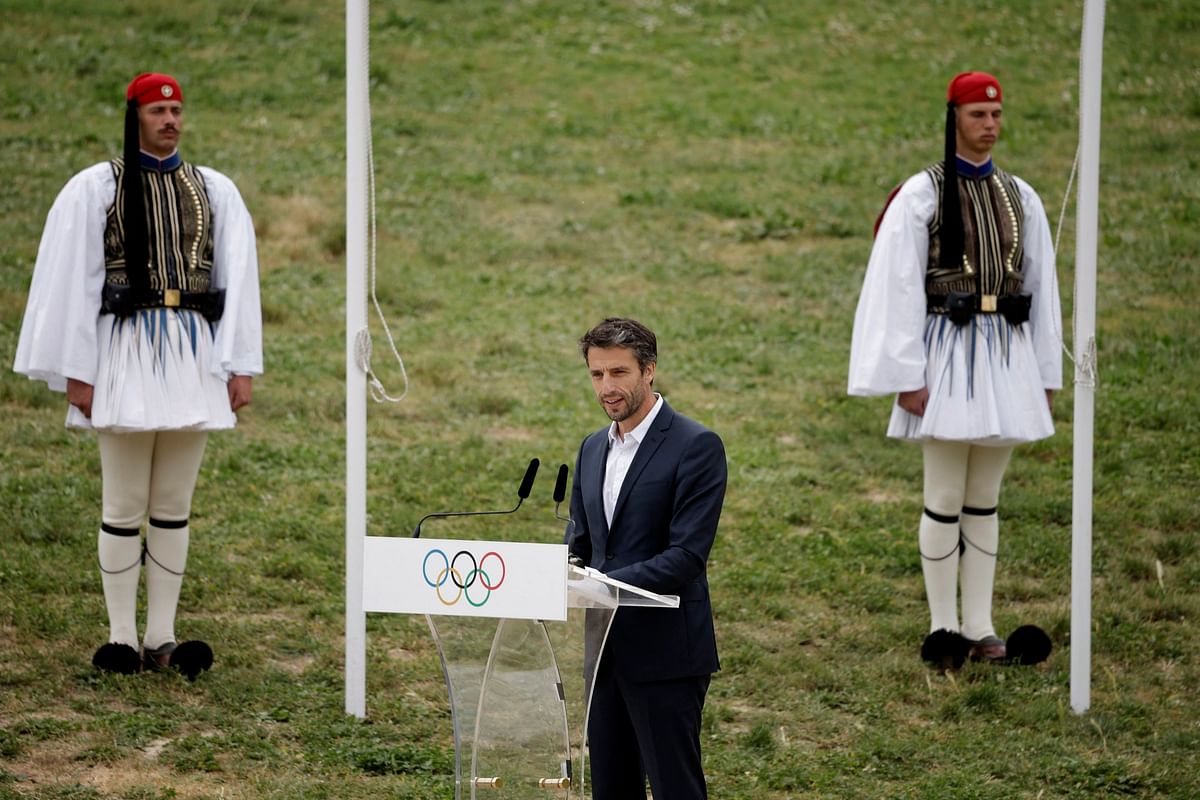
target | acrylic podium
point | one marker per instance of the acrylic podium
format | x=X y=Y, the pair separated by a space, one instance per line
x=519 y=632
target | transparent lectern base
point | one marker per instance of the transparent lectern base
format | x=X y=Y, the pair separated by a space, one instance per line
x=520 y=691
x=518 y=698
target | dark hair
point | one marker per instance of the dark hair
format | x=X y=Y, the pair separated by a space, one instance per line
x=621 y=332
x=137 y=238
x=951 y=235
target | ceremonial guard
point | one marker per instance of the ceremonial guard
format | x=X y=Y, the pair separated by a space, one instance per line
x=144 y=309
x=959 y=318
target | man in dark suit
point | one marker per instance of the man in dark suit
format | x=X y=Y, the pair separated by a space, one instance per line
x=646 y=502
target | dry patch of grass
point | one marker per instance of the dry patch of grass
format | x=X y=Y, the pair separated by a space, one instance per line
x=296 y=228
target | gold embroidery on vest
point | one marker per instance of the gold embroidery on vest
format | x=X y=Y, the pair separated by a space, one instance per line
x=993 y=222
x=179 y=230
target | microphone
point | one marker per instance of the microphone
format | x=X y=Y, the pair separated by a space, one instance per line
x=560 y=487
x=527 y=481
x=560 y=492
x=522 y=493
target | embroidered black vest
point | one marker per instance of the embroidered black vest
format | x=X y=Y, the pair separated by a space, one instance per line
x=993 y=233
x=178 y=226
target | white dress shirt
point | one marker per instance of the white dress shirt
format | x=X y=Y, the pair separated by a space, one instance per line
x=620 y=456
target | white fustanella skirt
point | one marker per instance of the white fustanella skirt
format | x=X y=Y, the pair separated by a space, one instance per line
x=984 y=385
x=153 y=375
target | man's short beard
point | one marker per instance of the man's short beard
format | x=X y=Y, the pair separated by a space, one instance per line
x=638 y=395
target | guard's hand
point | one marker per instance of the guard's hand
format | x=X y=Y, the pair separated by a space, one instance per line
x=239 y=391
x=914 y=402
x=79 y=394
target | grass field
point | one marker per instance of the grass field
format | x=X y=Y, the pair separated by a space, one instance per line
x=713 y=168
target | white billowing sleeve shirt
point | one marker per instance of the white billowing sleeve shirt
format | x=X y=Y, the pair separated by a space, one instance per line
x=65 y=335
x=987 y=380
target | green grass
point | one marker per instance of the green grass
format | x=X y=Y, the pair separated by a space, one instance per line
x=712 y=168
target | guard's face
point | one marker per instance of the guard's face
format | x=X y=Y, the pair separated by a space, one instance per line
x=159 y=126
x=621 y=386
x=978 y=128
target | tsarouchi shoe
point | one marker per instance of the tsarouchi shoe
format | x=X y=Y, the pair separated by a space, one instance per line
x=114 y=657
x=1028 y=645
x=191 y=658
x=989 y=648
x=157 y=658
x=945 y=649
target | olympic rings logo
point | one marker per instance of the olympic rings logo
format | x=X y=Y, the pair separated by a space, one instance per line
x=452 y=581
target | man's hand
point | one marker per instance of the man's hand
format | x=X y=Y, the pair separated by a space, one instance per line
x=914 y=402
x=79 y=394
x=1050 y=399
x=239 y=391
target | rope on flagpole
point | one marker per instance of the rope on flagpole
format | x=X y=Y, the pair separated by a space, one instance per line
x=1086 y=364
x=1062 y=214
x=362 y=338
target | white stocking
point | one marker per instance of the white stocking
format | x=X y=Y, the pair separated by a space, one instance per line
x=176 y=464
x=166 y=558
x=119 y=557
x=981 y=536
x=939 y=563
x=945 y=481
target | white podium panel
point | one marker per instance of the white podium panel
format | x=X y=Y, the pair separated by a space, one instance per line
x=509 y=580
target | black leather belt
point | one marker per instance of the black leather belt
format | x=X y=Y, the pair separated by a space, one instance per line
x=961 y=306
x=120 y=300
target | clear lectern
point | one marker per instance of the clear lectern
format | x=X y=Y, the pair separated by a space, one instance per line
x=519 y=632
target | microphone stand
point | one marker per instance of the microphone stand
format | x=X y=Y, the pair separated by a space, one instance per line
x=560 y=492
x=522 y=493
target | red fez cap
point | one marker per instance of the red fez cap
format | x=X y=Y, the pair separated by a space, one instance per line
x=153 y=87
x=973 y=87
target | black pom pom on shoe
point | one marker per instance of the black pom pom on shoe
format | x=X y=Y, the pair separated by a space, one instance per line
x=192 y=658
x=1028 y=645
x=119 y=658
x=945 y=649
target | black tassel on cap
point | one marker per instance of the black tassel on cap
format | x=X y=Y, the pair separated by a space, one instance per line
x=137 y=248
x=950 y=235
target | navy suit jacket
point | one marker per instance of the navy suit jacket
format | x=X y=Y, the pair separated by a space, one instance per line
x=662 y=530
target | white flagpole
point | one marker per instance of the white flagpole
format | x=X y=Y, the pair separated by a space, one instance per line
x=1091 y=64
x=356 y=379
